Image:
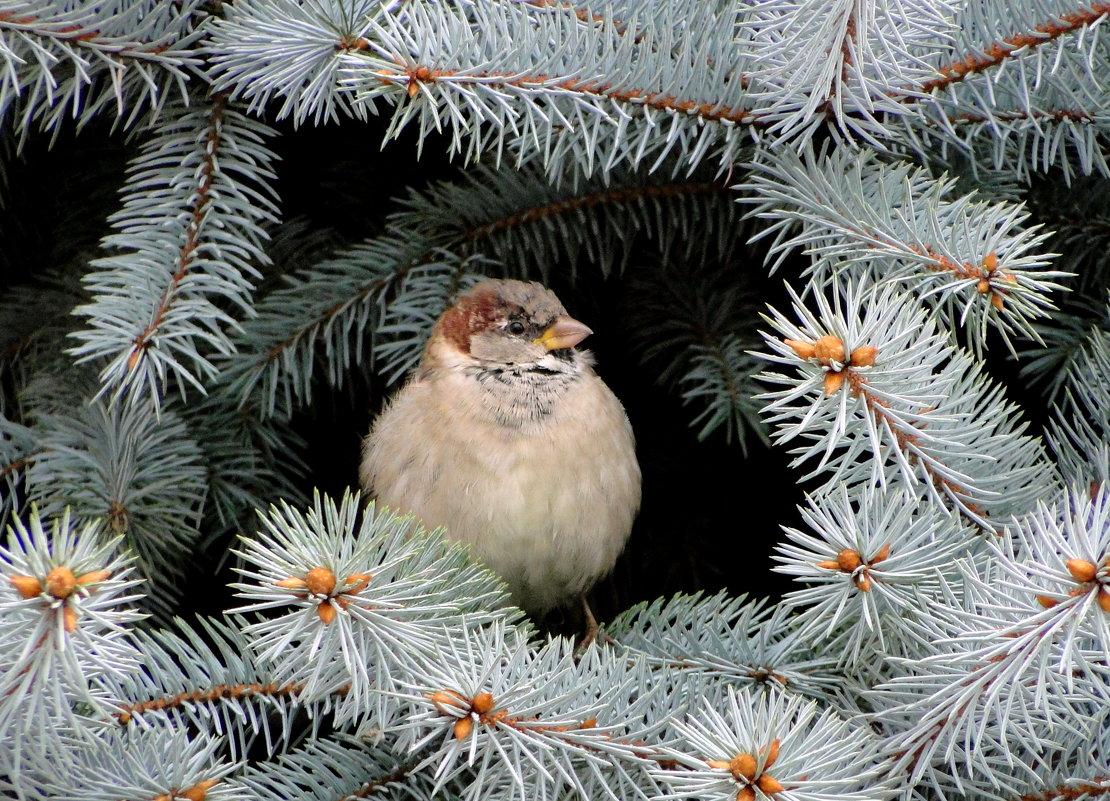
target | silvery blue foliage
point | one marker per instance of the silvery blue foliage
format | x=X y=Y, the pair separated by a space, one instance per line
x=385 y=580
x=1020 y=667
x=64 y=617
x=875 y=391
x=871 y=562
x=915 y=165
x=795 y=751
x=187 y=244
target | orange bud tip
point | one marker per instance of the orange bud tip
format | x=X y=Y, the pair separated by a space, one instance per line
x=357 y=582
x=991 y=261
x=743 y=765
x=60 y=582
x=291 y=583
x=983 y=287
x=412 y=93
x=1046 y=602
x=482 y=703
x=69 y=619
x=27 y=586
x=320 y=581
x=463 y=727
x=745 y=793
x=327 y=613
x=802 y=349
x=848 y=560
x=162 y=798
x=133 y=359
x=769 y=784
x=1081 y=569
x=717 y=764
x=1104 y=600
x=829 y=348
x=589 y=723
x=771 y=754
x=833 y=382
x=864 y=356
x=198 y=791
x=124 y=718
x=997 y=301
x=863 y=583
x=830 y=564
x=444 y=699
x=95 y=577
x=882 y=555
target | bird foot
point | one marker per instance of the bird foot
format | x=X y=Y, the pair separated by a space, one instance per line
x=592 y=629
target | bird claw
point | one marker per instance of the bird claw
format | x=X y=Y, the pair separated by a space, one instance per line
x=592 y=629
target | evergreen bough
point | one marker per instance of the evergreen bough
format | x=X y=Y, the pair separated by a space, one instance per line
x=950 y=634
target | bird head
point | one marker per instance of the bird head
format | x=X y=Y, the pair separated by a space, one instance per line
x=507 y=323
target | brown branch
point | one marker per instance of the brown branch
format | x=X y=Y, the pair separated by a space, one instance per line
x=1056 y=115
x=846 y=45
x=1099 y=785
x=607 y=197
x=986 y=274
x=413 y=77
x=726 y=370
x=990 y=279
x=981 y=680
x=611 y=196
x=997 y=53
x=271 y=690
x=880 y=410
x=187 y=253
x=846 y=42
x=482 y=709
x=19 y=464
x=220 y=691
x=75 y=34
x=322 y=319
x=390 y=778
x=941 y=263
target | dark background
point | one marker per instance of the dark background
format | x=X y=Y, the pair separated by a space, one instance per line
x=710 y=517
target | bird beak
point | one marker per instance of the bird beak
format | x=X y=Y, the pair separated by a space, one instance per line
x=565 y=332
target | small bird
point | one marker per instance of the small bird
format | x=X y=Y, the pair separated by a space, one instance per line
x=505 y=435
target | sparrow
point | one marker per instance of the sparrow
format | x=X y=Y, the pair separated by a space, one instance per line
x=506 y=436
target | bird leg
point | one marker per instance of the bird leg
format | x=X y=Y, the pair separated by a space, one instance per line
x=591 y=624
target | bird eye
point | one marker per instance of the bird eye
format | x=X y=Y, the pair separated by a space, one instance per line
x=516 y=328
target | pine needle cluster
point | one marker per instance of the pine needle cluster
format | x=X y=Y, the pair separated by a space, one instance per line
x=930 y=179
